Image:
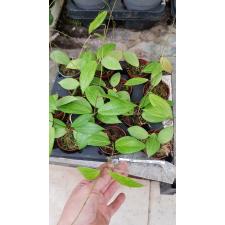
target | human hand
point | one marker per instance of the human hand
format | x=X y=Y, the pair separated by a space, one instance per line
x=89 y=201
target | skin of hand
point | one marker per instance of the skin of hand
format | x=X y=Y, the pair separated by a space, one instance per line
x=89 y=203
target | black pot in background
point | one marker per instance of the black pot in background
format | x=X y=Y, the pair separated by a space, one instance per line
x=90 y=4
x=141 y=4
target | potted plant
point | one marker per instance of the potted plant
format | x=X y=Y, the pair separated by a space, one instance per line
x=155 y=145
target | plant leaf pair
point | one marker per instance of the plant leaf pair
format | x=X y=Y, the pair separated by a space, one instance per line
x=92 y=174
x=159 y=110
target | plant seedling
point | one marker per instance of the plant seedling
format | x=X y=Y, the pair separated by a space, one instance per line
x=140 y=139
x=92 y=174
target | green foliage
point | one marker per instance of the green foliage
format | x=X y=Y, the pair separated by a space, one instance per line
x=138 y=132
x=127 y=145
x=105 y=50
x=69 y=83
x=81 y=139
x=53 y=103
x=117 y=54
x=79 y=106
x=94 y=95
x=89 y=173
x=87 y=74
x=98 y=139
x=115 y=79
x=51 y=18
x=116 y=107
x=74 y=64
x=59 y=132
x=82 y=120
x=165 y=135
x=97 y=81
x=108 y=119
x=136 y=81
x=89 y=128
x=159 y=110
x=60 y=57
x=152 y=145
x=51 y=139
x=125 y=181
x=65 y=100
x=97 y=22
x=111 y=63
x=131 y=58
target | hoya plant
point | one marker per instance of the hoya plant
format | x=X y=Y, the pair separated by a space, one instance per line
x=140 y=139
x=92 y=174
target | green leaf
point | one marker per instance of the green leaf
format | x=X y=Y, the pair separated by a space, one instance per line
x=159 y=110
x=138 y=132
x=111 y=63
x=65 y=100
x=89 y=173
x=81 y=139
x=136 y=81
x=89 y=128
x=152 y=145
x=115 y=107
x=87 y=74
x=108 y=119
x=69 y=83
x=51 y=139
x=155 y=79
x=74 y=64
x=82 y=120
x=115 y=79
x=131 y=58
x=124 y=95
x=94 y=95
x=166 y=65
x=50 y=119
x=97 y=21
x=59 y=57
x=165 y=135
x=80 y=106
x=98 y=139
x=99 y=82
x=51 y=18
x=105 y=50
x=153 y=67
x=117 y=54
x=58 y=123
x=125 y=181
x=144 y=101
x=88 y=55
x=127 y=145
x=53 y=103
x=59 y=132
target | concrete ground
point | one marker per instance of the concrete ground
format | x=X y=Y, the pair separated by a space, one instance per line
x=143 y=206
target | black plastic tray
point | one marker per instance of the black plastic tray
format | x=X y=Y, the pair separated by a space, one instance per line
x=90 y=152
x=119 y=13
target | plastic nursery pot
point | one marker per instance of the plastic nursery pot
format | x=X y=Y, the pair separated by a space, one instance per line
x=67 y=142
x=90 y=4
x=135 y=119
x=141 y=4
x=114 y=133
x=162 y=89
x=165 y=149
x=64 y=72
x=136 y=72
x=106 y=74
